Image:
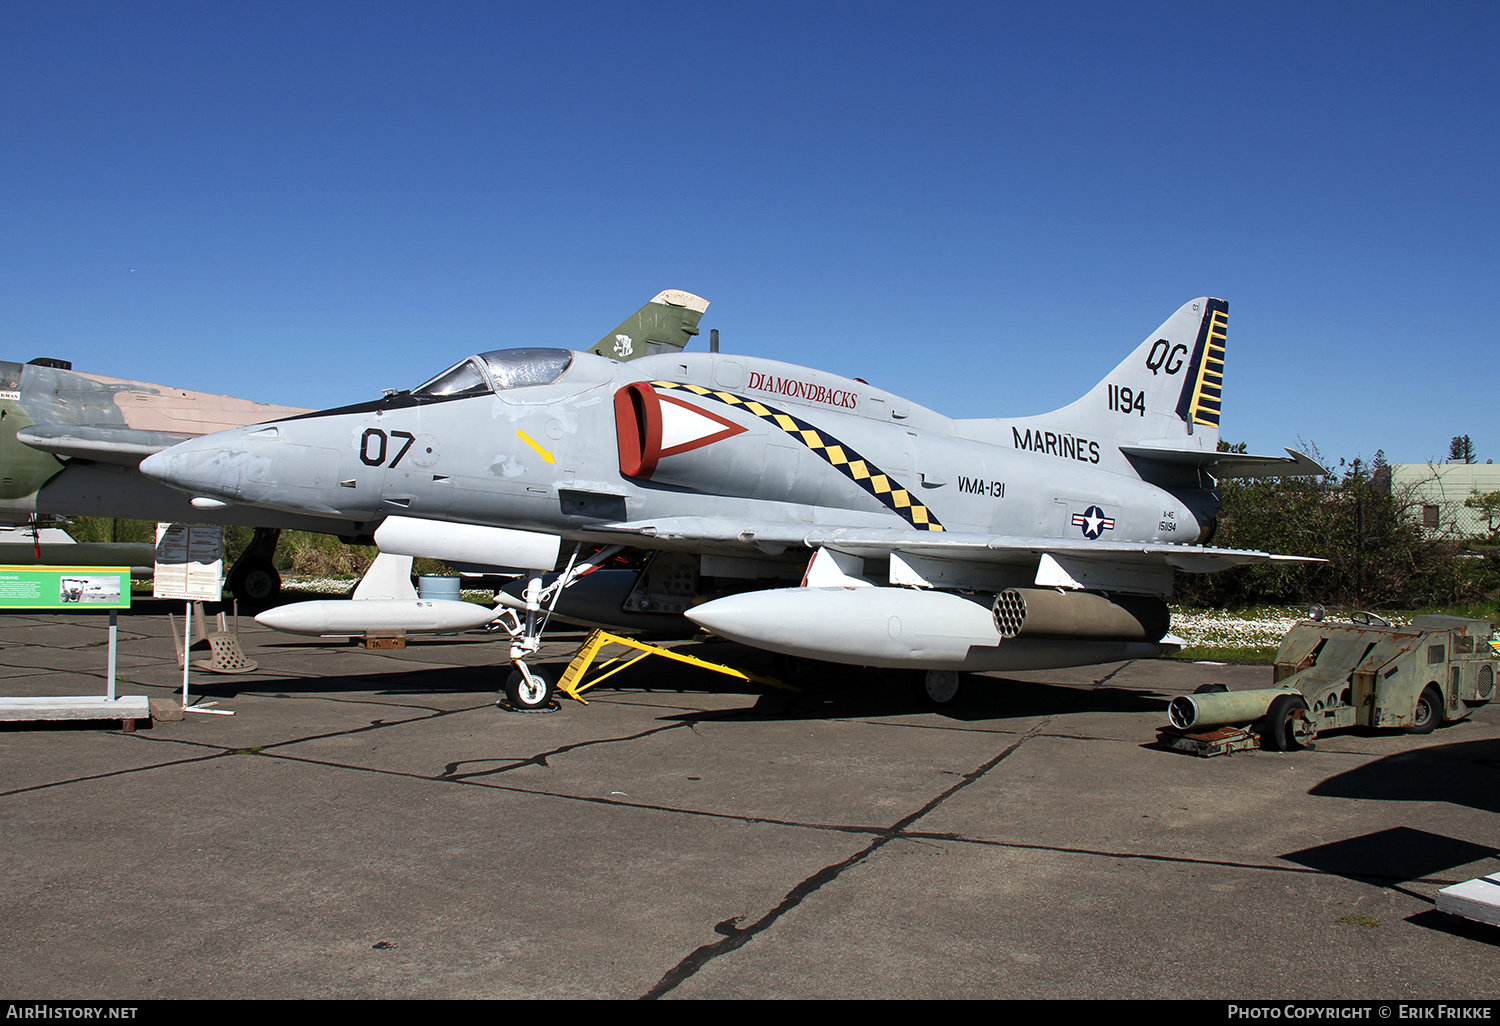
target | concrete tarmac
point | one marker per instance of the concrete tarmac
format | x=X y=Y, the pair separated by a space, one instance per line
x=370 y=824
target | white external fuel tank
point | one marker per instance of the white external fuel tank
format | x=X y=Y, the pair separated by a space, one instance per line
x=352 y=617
x=898 y=627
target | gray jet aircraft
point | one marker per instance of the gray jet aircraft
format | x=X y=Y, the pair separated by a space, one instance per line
x=813 y=515
x=70 y=443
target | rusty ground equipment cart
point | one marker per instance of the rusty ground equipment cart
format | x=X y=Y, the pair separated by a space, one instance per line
x=1365 y=673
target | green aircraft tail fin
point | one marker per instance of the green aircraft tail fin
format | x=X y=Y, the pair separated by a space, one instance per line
x=664 y=325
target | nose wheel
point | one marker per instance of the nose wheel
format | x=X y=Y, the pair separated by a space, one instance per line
x=528 y=689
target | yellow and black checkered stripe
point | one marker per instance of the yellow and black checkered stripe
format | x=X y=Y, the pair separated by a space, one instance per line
x=848 y=462
x=1203 y=396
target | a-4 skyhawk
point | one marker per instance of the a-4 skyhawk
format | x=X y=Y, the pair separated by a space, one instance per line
x=790 y=509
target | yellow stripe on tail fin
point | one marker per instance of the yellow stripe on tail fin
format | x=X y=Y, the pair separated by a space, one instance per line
x=1202 y=393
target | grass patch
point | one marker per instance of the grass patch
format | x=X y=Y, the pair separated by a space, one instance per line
x=1252 y=634
x=1473 y=610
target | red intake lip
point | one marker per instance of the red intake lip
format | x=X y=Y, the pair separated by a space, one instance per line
x=640 y=427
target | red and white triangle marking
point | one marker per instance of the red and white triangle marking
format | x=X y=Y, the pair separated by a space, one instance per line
x=685 y=427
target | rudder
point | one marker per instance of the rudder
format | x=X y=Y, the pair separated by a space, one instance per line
x=1202 y=392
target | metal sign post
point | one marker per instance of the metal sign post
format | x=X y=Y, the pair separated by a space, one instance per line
x=114 y=635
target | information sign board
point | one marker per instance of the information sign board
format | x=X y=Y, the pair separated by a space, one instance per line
x=189 y=562
x=64 y=587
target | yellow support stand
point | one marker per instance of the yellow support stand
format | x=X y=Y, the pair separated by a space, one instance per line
x=570 y=686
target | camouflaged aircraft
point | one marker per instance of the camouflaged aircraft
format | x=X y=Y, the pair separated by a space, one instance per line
x=71 y=443
x=813 y=515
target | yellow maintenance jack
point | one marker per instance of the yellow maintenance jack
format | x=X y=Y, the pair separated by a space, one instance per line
x=570 y=684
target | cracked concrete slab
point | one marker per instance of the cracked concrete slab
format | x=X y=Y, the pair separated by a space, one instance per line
x=370 y=824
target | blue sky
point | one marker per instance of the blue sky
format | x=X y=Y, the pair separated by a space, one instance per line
x=981 y=206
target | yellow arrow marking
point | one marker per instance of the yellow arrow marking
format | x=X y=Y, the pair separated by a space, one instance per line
x=543 y=453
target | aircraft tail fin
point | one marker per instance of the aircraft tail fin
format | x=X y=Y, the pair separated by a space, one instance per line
x=664 y=325
x=1166 y=394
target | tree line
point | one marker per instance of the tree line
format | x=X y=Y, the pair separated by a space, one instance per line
x=1377 y=555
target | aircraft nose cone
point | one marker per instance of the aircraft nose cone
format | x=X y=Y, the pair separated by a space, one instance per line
x=199 y=467
x=157 y=465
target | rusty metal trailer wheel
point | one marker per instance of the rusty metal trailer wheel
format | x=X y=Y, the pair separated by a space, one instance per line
x=1280 y=733
x=1429 y=711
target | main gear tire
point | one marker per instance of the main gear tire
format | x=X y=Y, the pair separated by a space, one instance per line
x=257 y=584
x=940 y=687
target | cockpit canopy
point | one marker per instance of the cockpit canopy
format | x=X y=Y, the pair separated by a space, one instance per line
x=498 y=370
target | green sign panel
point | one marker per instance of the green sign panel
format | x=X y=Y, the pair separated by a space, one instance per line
x=65 y=587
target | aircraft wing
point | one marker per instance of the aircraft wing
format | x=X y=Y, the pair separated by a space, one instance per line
x=664 y=325
x=125 y=446
x=1058 y=562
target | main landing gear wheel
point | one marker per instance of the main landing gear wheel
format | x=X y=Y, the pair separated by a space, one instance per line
x=1429 y=712
x=253 y=578
x=529 y=691
x=256 y=584
x=939 y=687
x=1282 y=722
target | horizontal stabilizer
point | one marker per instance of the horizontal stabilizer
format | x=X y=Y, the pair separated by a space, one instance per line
x=1231 y=464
